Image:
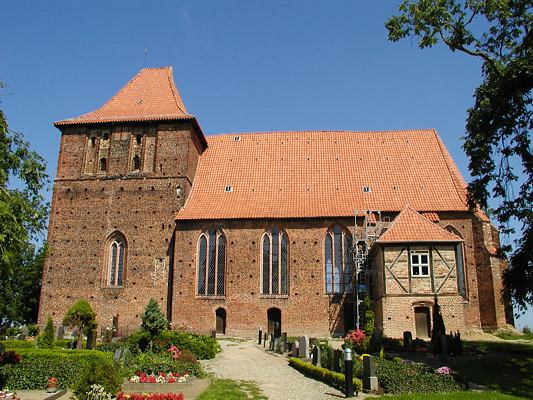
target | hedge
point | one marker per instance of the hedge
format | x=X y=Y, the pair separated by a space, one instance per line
x=331 y=378
x=71 y=368
x=203 y=347
x=151 y=363
x=399 y=377
x=18 y=344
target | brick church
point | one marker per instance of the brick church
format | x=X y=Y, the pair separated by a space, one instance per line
x=285 y=230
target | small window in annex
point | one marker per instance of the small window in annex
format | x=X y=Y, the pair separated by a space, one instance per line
x=211 y=263
x=337 y=250
x=419 y=263
x=275 y=275
x=116 y=259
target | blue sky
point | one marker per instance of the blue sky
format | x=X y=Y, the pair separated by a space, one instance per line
x=240 y=66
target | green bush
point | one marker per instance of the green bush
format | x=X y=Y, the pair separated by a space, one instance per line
x=33 y=329
x=37 y=365
x=104 y=374
x=110 y=347
x=203 y=347
x=331 y=378
x=18 y=344
x=46 y=339
x=151 y=363
x=399 y=377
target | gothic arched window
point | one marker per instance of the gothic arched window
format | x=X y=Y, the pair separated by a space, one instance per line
x=338 y=271
x=275 y=275
x=103 y=164
x=211 y=263
x=116 y=259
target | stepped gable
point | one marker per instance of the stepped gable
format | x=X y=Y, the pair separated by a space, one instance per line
x=323 y=174
x=410 y=226
x=150 y=96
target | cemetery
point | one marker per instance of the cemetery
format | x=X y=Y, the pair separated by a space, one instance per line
x=164 y=364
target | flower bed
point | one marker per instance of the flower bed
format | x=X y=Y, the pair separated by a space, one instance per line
x=171 y=377
x=150 y=396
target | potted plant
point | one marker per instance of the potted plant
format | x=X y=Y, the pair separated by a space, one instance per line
x=51 y=387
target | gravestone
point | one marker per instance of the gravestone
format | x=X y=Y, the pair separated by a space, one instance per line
x=444 y=346
x=116 y=356
x=295 y=350
x=23 y=332
x=303 y=346
x=277 y=345
x=271 y=343
x=315 y=356
x=337 y=358
x=91 y=340
x=264 y=339
x=60 y=332
x=284 y=342
x=370 y=380
x=407 y=341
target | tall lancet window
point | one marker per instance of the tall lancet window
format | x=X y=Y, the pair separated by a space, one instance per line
x=337 y=247
x=275 y=275
x=211 y=263
x=116 y=259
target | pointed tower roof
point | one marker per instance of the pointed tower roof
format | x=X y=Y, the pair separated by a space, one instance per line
x=150 y=96
x=410 y=226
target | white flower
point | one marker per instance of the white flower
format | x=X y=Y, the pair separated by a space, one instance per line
x=135 y=379
x=160 y=379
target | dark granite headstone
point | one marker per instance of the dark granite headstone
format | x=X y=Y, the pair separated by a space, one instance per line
x=60 y=332
x=295 y=350
x=116 y=356
x=277 y=345
x=370 y=380
x=337 y=359
x=407 y=341
x=91 y=339
x=315 y=356
x=284 y=342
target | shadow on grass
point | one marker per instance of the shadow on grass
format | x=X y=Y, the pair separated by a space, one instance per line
x=511 y=374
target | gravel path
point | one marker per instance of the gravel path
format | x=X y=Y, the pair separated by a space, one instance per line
x=248 y=362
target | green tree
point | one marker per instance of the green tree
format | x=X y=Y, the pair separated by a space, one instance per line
x=153 y=320
x=80 y=317
x=46 y=339
x=438 y=328
x=498 y=128
x=370 y=325
x=23 y=214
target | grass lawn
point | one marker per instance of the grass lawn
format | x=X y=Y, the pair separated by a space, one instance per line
x=454 y=396
x=228 y=389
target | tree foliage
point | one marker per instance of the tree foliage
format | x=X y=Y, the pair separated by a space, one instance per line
x=498 y=140
x=80 y=317
x=153 y=320
x=46 y=339
x=23 y=214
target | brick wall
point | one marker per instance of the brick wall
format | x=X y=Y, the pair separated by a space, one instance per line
x=88 y=205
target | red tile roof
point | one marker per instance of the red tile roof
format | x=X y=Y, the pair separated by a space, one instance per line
x=323 y=174
x=150 y=96
x=410 y=226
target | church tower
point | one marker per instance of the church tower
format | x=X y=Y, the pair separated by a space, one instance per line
x=124 y=170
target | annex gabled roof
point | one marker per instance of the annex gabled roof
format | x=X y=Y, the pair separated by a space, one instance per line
x=150 y=96
x=323 y=174
x=410 y=226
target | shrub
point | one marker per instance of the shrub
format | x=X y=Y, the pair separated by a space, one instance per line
x=37 y=365
x=103 y=374
x=46 y=340
x=18 y=344
x=326 y=355
x=400 y=377
x=13 y=331
x=33 y=329
x=370 y=326
x=153 y=320
x=331 y=378
x=151 y=363
x=526 y=330
x=80 y=317
x=9 y=357
x=110 y=347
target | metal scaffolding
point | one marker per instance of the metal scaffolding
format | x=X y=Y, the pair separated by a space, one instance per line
x=368 y=227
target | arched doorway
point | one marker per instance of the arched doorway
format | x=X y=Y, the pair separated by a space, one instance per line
x=422 y=322
x=274 y=321
x=220 y=314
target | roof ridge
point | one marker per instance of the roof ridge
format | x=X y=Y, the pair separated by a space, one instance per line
x=428 y=131
x=174 y=89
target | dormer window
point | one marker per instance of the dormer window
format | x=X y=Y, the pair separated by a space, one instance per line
x=228 y=189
